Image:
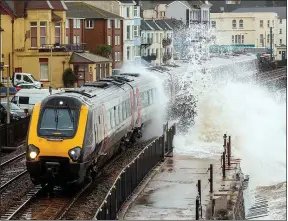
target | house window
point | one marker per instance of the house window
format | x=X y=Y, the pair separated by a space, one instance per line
x=162 y=14
x=66 y=40
x=67 y=23
x=128 y=12
x=234 y=23
x=33 y=34
x=232 y=39
x=157 y=53
x=280 y=31
x=119 y=23
x=109 y=40
x=241 y=23
x=268 y=38
x=76 y=39
x=279 y=52
x=57 y=33
x=213 y=23
x=119 y=56
x=128 y=32
x=128 y=53
x=136 y=11
x=109 y=23
x=137 y=50
x=107 y=69
x=268 y=23
x=89 y=24
x=136 y=31
x=118 y=38
x=115 y=40
x=42 y=34
x=261 y=23
x=273 y=23
x=43 y=69
x=280 y=21
x=242 y=39
x=280 y=41
x=261 y=40
x=76 y=23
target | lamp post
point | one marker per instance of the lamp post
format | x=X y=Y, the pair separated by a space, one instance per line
x=51 y=48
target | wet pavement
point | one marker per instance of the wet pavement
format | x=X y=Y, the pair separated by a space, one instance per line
x=172 y=192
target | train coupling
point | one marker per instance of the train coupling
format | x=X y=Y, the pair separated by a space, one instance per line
x=52 y=168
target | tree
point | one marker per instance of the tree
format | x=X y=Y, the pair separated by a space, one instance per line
x=103 y=50
x=69 y=78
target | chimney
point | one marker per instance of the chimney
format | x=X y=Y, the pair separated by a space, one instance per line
x=19 y=8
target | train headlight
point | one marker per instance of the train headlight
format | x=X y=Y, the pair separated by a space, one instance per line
x=33 y=151
x=75 y=153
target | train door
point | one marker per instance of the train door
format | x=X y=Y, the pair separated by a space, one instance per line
x=99 y=119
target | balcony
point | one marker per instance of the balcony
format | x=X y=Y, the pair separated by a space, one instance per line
x=146 y=41
x=150 y=58
x=63 y=48
x=166 y=42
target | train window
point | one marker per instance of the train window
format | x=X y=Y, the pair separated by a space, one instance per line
x=111 y=118
x=108 y=120
x=127 y=108
x=116 y=115
x=120 y=113
x=124 y=110
x=99 y=119
x=149 y=98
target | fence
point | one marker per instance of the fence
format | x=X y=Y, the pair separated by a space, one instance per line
x=13 y=134
x=132 y=175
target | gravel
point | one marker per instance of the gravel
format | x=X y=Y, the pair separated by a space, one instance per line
x=86 y=206
x=14 y=192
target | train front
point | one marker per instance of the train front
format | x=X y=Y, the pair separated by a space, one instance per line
x=55 y=141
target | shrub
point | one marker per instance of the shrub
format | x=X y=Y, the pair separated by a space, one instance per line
x=69 y=78
x=103 y=50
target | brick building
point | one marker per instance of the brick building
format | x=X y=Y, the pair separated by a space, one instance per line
x=93 y=26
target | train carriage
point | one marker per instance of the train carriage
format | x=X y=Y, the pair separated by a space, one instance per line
x=74 y=133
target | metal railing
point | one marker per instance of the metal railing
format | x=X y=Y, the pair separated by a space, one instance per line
x=15 y=133
x=132 y=175
x=81 y=47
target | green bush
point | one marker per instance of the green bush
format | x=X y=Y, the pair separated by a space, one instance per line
x=69 y=78
x=103 y=50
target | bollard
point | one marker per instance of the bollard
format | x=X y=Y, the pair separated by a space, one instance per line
x=225 y=142
x=211 y=178
x=223 y=165
x=229 y=151
x=197 y=208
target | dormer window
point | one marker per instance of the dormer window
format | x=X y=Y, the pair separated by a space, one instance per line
x=89 y=24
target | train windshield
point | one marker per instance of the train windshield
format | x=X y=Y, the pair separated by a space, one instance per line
x=58 y=122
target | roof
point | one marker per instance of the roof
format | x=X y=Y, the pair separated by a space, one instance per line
x=56 y=17
x=153 y=25
x=7 y=7
x=88 y=58
x=281 y=11
x=163 y=25
x=39 y=5
x=58 y=5
x=151 y=4
x=174 y=23
x=185 y=3
x=83 y=10
x=127 y=1
x=144 y=26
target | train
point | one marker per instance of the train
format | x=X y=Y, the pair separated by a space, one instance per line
x=74 y=133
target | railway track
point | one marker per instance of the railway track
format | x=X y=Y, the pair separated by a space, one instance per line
x=37 y=205
x=11 y=170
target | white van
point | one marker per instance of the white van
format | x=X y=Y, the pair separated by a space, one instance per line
x=27 y=98
x=25 y=78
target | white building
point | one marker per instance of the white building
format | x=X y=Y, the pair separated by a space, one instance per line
x=246 y=29
x=279 y=31
x=157 y=41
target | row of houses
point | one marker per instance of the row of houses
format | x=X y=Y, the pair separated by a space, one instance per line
x=94 y=38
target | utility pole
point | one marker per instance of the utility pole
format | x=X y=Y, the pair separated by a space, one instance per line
x=271 y=44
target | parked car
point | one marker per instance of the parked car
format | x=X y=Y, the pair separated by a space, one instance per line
x=16 y=113
x=25 y=78
x=27 y=98
x=26 y=86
